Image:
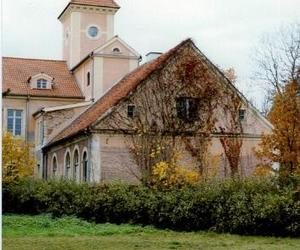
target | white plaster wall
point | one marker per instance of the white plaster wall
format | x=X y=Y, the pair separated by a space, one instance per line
x=98 y=77
x=95 y=158
x=75 y=39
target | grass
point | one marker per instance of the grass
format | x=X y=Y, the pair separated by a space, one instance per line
x=44 y=232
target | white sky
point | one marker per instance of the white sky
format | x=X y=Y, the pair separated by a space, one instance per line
x=226 y=31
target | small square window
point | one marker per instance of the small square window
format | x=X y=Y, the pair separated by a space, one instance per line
x=242 y=114
x=130 y=111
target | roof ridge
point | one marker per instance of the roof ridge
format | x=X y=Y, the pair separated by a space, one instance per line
x=36 y=59
x=113 y=96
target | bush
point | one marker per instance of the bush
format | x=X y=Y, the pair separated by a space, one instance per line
x=250 y=207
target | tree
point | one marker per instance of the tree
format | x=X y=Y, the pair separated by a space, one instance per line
x=278 y=60
x=283 y=145
x=17 y=161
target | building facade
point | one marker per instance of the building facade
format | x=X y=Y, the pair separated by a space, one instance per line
x=80 y=112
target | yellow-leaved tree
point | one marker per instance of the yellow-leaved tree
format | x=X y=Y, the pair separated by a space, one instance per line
x=283 y=145
x=17 y=160
x=170 y=174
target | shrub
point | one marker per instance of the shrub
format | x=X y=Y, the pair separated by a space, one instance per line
x=250 y=207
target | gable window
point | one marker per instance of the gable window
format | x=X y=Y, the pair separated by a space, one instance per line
x=116 y=50
x=14 y=121
x=242 y=114
x=41 y=83
x=187 y=108
x=130 y=111
x=88 y=79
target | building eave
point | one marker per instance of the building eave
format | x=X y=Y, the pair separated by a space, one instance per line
x=88 y=5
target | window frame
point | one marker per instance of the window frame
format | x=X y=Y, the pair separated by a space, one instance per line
x=88 y=79
x=41 y=83
x=186 y=114
x=54 y=170
x=14 y=118
x=88 y=32
x=85 y=166
x=131 y=113
x=76 y=165
x=67 y=164
x=242 y=115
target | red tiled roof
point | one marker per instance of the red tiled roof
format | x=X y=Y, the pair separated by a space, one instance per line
x=17 y=71
x=114 y=95
x=102 y=3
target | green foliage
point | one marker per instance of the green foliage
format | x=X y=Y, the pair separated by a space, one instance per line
x=249 y=207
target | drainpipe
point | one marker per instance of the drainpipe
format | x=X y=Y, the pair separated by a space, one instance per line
x=27 y=118
x=93 y=77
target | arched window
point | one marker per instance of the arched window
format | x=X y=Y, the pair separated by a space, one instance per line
x=68 y=166
x=76 y=165
x=88 y=79
x=116 y=50
x=85 y=167
x=54 y=166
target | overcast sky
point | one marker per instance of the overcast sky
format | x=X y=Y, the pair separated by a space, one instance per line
x=226 y=31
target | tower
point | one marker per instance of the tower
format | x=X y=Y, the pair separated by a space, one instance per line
x=87 y=24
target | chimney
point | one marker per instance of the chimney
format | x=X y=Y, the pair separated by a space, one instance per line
x=152 y=55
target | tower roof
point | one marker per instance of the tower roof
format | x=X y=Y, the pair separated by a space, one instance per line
x=101 y=3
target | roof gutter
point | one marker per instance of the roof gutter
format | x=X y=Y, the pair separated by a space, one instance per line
x=90 y=55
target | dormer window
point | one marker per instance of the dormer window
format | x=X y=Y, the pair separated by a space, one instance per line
x=41 y=83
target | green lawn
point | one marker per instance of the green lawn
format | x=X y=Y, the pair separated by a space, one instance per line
x=42 y=232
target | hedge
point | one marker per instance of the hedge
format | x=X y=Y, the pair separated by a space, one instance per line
x=247 y=207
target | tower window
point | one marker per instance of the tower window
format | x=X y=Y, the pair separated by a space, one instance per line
x=187 y=108
x=41 y=83
x=93 y=31
x=242 y=114
x=130 y=111
x=88 y=79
